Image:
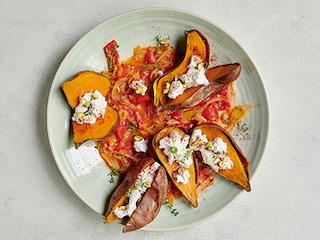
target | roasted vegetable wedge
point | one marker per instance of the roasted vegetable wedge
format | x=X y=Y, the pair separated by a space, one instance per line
x=236 y=167
x=218 y=77
x=83 y=82
x=170 y=145
x=196 y=45
x=74 y=89
x=139 y=196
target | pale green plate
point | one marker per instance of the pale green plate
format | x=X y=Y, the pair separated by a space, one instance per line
x=84 y=170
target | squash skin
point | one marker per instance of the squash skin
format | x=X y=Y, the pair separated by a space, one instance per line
x=196 y=44
x=81 y=83
x=239 y=174
x=188 y=190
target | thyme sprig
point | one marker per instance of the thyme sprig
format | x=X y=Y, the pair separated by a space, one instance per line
x=173 y=210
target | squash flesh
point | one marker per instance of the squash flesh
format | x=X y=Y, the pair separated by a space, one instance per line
x=97 y=131
x=84 y=82
x=239 y=174
x=74 y=88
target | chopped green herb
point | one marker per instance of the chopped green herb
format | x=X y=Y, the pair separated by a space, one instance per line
x=161 y=41
x=173 y=210
x=137 y=138
x=196 y=143
x=113 y=173
x=209 y=144
x=244 y=127
x=140 y=90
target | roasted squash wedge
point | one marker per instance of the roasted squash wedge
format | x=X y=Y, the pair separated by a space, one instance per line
x=196 y=44
x=76 y=87
x=239 y=173
x=189 y=190
x=83 y=82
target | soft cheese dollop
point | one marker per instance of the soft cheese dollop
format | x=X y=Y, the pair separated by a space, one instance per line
x=144 y=181
x=175 y=148
x=214 y=153
x=194 y=77
x=140 y=144
x=91 y=107
x=182 y=175
x=138 y=86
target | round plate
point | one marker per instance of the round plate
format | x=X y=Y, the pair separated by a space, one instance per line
x=85 y=171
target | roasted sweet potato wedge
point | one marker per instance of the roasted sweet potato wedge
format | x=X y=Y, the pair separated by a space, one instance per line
x=239 y=171
x=150 y=204
x=153 y=190
x=188 y=188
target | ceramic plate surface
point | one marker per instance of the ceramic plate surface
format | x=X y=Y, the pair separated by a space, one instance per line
x=85 y=171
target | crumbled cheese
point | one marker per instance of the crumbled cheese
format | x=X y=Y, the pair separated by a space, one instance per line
x=175 y=147
x=138 y=86
x=160 y=72
x=182 y=175
x=194 y=77
x=219 y=145
x=91 y=107
x=214 y=153
x=197 y=140
x=144 y=181
x=140 y=145
x=176 y=89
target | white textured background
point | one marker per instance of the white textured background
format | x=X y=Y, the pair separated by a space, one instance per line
x=283 y=39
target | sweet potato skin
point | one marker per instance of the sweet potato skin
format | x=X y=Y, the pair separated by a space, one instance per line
x=151 y=201
x=129 y=180
x=150 y=204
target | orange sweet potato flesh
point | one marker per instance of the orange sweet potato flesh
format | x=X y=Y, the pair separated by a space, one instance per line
x=239 y=174
x=196 y=44
x=81 y=83
x=188 y=190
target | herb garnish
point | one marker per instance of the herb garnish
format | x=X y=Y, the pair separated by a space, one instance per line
x=113 y=173
x=173 y=210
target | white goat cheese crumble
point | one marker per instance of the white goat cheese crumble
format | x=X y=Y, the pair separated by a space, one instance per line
x=138 y=86
x=194 y=77
x=214 y=153
x=175 y=148
x=140 y=144
x=91 y=107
